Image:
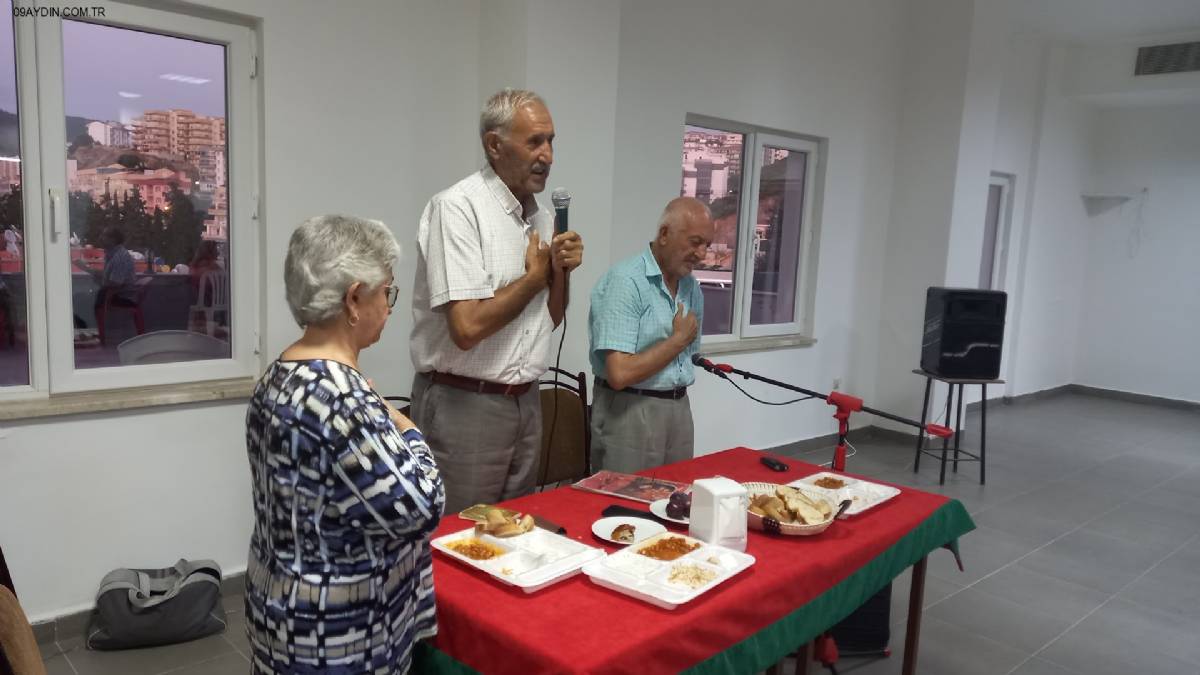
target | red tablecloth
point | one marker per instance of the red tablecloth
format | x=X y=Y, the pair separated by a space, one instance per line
x=577 y=626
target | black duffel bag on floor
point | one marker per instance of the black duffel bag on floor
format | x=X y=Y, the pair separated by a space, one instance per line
x=145 y=608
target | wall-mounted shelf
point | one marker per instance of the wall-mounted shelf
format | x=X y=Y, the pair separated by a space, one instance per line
x=1098 y=203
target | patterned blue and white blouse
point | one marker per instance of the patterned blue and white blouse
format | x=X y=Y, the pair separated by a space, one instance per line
x=340 y=577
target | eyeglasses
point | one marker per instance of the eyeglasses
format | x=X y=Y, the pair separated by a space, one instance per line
x=392 y=293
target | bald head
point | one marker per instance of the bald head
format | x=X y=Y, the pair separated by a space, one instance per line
x=684 y=232
x=683 y=210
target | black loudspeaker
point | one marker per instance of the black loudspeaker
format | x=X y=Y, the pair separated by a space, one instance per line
x=866 y=630
x=964 y=332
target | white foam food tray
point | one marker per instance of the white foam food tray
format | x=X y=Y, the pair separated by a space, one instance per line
x=667 y=584
x=530 y=561
x=863 y=495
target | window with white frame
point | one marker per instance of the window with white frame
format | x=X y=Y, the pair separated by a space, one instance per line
x=128 y=192
x=760 y=184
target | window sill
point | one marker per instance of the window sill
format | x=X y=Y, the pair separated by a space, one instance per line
x=78 y=403
x=761 y=344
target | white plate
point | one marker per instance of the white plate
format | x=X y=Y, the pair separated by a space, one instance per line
x=862 y=494
x=531 y=561
x=643 y=528
x=659 y=508
x=649 y=580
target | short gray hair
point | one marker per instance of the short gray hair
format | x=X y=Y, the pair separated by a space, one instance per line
x=328 y=254
x=680 y=207
x=501 y=107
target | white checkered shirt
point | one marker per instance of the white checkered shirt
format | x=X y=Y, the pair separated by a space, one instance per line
x=471 y=243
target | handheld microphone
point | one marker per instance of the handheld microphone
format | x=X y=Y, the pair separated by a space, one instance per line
x=561 y=199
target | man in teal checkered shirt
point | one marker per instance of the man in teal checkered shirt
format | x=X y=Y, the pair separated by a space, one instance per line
x=644 y=326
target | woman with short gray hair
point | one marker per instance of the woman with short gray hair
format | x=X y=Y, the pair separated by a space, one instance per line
x=346 y=491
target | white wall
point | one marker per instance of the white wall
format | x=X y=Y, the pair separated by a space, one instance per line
x=368 y=112
x=1014 y=152
x=989 y=42
x=573 y=63
x=933 y=83
x=785 y=65
x=1141 y=309
x=1053 y=264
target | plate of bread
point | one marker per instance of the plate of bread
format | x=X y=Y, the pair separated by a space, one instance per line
x=788 y=510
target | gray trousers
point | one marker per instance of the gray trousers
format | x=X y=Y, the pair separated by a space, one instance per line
x=486 y=445
x=631 y=432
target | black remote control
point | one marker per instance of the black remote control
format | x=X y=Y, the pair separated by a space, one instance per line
x=773 y=464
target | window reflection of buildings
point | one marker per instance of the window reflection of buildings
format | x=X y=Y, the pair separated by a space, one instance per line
x=216 y=225
x=154 y=185
x=178 y=135
x=10 y=174
x=177 y=132
x=711 y=163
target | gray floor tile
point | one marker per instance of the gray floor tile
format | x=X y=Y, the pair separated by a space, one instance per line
x=1171 y=586
x=235 y=633
x=43 y=632
x=946 y=649
x=149 y=661
x=936 y=590
x=1181 y=448
x=1047 y=595
x=70 y=631
x=233 y=603
x=868 y=466
x=998 y=619
x=234 y=585
x=58 y=665
x=1036 y=666
x=1024 y=519
x=1094 y=560
x=1147 y=524
x=1072 y=503
x=965 y=486
x=1171 y=499
x=226 y=664
x=1187 y=483
x=983 y=551
x=49 y=649
x=1125 y=638
x=869 y=665
x=1135 y=469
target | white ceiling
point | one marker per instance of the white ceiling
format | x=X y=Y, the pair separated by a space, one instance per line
x=1092 y=21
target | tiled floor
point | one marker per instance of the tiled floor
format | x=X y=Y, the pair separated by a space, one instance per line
x=1086 y=560
x=222 y=654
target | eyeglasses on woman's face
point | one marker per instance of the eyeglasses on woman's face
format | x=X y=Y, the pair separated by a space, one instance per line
x=392 y=292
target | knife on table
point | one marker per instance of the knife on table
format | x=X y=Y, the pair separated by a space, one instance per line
x=619 y=510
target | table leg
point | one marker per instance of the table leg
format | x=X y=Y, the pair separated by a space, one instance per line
x=802 y=659
x=921 y=431
x=983 y=438
x=946 y=441
x=912 y=638
x=776 y=669
x=957 y=425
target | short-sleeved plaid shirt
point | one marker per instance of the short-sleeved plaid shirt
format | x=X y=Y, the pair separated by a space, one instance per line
x=632 y=310
x=471 y=243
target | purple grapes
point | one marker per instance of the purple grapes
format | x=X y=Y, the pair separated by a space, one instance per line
x=679 y=506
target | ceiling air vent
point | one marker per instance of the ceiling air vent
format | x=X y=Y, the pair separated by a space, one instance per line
x=1159 y=59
